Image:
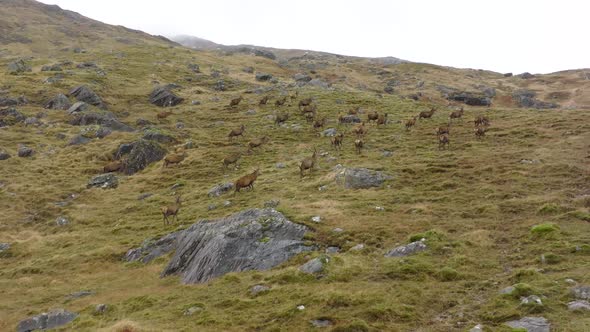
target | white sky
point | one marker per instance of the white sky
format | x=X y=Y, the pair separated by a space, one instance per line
x=537 y=36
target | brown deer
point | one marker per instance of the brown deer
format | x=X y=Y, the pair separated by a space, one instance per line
x=319 y=123
x=171 y=210
x=235 y=101
x=443 y=140
x=410 y=123
x=113 y=166
x=309 y=117
x=231 y=159
x=372 y=116
x=257 y=142
x=360 y=130
x=358 y=145
x=354 y=111
x=481 y=121
x=309 y=109
x=382 y=119
x=305 y=102
x=173 y=158
x=456 y=114
x=308 y=163
x=444 y=129
x=281 y=102
x=163 y=115
x=247 y=181
x=264 y=100
x=281 y=118
x=426 y=114
x=480 y=132
x=236 y=132
x=337 y=141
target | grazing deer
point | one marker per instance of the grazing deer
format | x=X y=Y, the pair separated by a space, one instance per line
x=281 y=118
x=309 y=109
x=163 y=115
x=309 y=117
x=257 y=142
x=382 y=119
x=174 y=158
x=481 y=121
x=480 y=132
x=281 y=102
x=308 y=163
x=113 y=166
x=305 y=102
x=372 y=116
x=410 y=123
x=247 y=181
x=264 y=100
x=427 y=115
x=235 y=101
x=171 y=210
x=444 y=129
x=354 y=111
x=236 y=132
x=456 y=114
x=337 y=141
x=443 y=140
x=358 y=145
x=231 y=159
x=319 y=123
x=360 y=130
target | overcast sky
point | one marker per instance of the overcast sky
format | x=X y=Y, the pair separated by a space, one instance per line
x=537 y=36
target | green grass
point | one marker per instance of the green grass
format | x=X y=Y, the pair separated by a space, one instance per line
x=486 y=216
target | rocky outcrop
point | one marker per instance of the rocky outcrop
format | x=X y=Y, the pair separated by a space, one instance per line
x=255 y=239
x=104 y=181
x=360 y=178
x=85 y=94
x=139 y=154
x=531 y=324
x=526 y=98
x=408 y=249
x=46 y=321
x=163 y=96
x=10 y=116
x=106 y=119
x=59 y=102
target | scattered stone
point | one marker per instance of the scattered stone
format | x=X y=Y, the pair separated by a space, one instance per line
x=143 y=122
x=321 y=322
x=251 y=112
x=154 y=134
x=358 y=247
x=332 y=250
x=85 y=94
x=329 y=132
x=581 y=292
x=570 y=281
x=531 y=300
x=195 y=102
x=143 y=196
x=387 y=154
x=317 y=82
x=323 y=188
x=104 y=181
x=139 y=155
x=211 y=248
x=79 y=294
x=315 y=265
x=508 y=290
x=263 y=77
x=151 y=250
x=101 y=308
x=79 y=106
x=211 y=207
x=337 y=230
x=62 y=221
x=18 y=66
x=255 y=290
x=273 y=203
x=10 y=116
x=220 y=189
x=526 y=75
x=477 y=328
x=302 y=78
x=79 y=50
x=350 y=118
x=226 y=203
x=530 y=161
x=24 y=151
x=176 y=186
x=300 y=307
x=4 y=247
x=4 y=155
x=219 y=86
x=79 y=140
x=379 y=208
x=360 y=178
x=579 y=305
x=408 y=249
x=531 y=324
x=316 y=219
x=163 y=97
x=179 y=125
x=54 y=67
x=59 y=102
x=103 y=132
x=192 y=310
x=53 y=319
x=249 y=70
x=280 y=165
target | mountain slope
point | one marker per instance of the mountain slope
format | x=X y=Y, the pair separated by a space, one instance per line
x=510 y=208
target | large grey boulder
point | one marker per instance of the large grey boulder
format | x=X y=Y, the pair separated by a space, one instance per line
x=104 y=181
x=360 y=178
x=59 y=102
x=531 y=324
x=4 y=155
x=154 y=134
x=581 y=292
x=45 y=321
x=579 y=305
x=85 y=94
x=139 y=155
x=315 y=265
x=10 y=116
x=255 y=239
x=526 y=98
x=263 y=77
x=24 y=151
x=163 y=97
x=302 y=78
x=408 y=249
x=152 y=249
x=220 y=189
x=104 y=118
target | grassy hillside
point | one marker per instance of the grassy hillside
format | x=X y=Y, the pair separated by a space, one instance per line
x=477 y=203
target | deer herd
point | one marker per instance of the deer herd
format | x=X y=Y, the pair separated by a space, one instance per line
x=308 y=108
